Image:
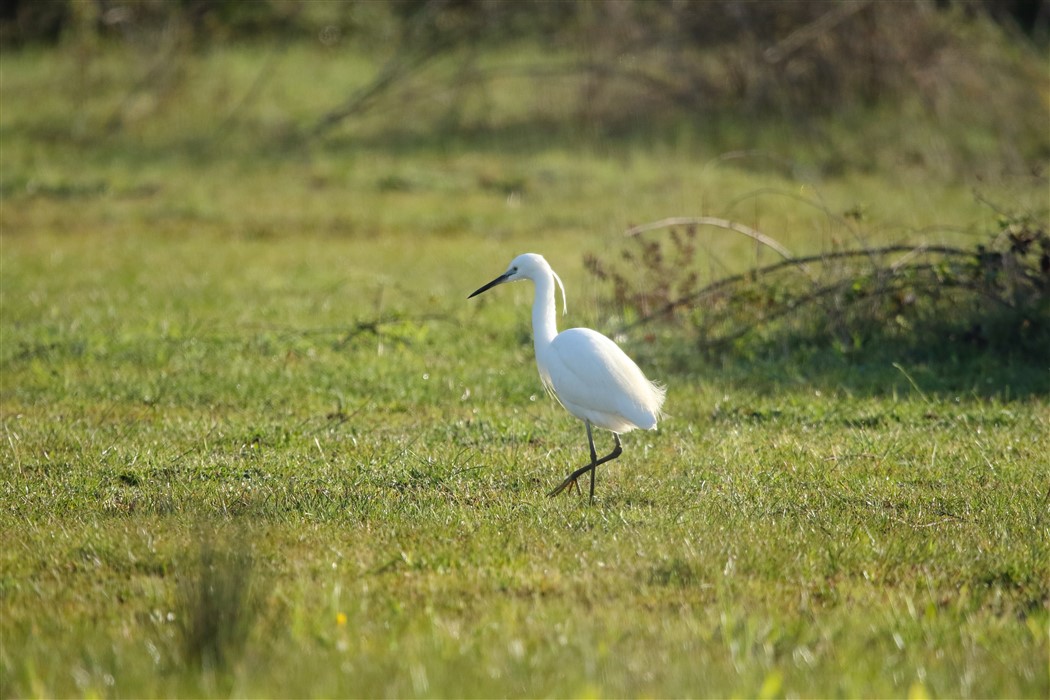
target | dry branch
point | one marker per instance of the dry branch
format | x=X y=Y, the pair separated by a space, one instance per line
x=718 y=223
x=726 y=282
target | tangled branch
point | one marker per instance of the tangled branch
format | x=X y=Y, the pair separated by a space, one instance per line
x=847 y=294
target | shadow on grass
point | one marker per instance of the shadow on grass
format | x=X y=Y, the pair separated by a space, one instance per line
x=949 y=369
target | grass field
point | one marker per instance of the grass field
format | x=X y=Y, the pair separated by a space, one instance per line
x=257 y=442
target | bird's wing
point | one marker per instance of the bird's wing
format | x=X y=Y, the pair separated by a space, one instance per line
x=589 y=371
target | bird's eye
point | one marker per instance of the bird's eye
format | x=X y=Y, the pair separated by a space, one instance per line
x=513 y=270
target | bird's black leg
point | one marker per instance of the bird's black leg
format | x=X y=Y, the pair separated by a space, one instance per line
x=594 y=460
x=571 y=478
x=570 y=481
x=594 y=457
x=607 y=458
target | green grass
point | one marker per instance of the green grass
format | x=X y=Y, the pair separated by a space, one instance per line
x=239 y=367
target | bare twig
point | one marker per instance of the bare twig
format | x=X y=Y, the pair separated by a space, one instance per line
x=404 y=61
x=786 y=164
x=803 y=35
x=266 y=71
x=472 y=75
x=718 y=223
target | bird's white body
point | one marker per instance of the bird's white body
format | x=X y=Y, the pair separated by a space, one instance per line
x=595 y=381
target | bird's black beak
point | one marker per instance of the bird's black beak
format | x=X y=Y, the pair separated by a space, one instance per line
x=499 y=280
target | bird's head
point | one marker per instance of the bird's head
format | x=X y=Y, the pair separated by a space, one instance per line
x=527 y=266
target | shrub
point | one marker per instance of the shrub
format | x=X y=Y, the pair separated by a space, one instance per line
x=922 y=299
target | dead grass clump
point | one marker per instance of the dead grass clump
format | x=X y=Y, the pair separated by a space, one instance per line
x=219 y=602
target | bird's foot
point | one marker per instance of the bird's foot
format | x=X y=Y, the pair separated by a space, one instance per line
x=570 y=480
x=569 y=484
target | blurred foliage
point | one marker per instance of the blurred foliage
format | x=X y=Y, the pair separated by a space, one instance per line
x=714 y=22
x=822 y=69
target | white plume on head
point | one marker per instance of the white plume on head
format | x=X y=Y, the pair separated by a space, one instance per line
x=564 y=305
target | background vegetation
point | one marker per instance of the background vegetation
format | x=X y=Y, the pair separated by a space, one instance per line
x=257 y=442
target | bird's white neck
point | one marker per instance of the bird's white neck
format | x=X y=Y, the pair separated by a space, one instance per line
x=544 y=312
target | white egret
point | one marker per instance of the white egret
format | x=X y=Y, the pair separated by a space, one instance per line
x=584 y=370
